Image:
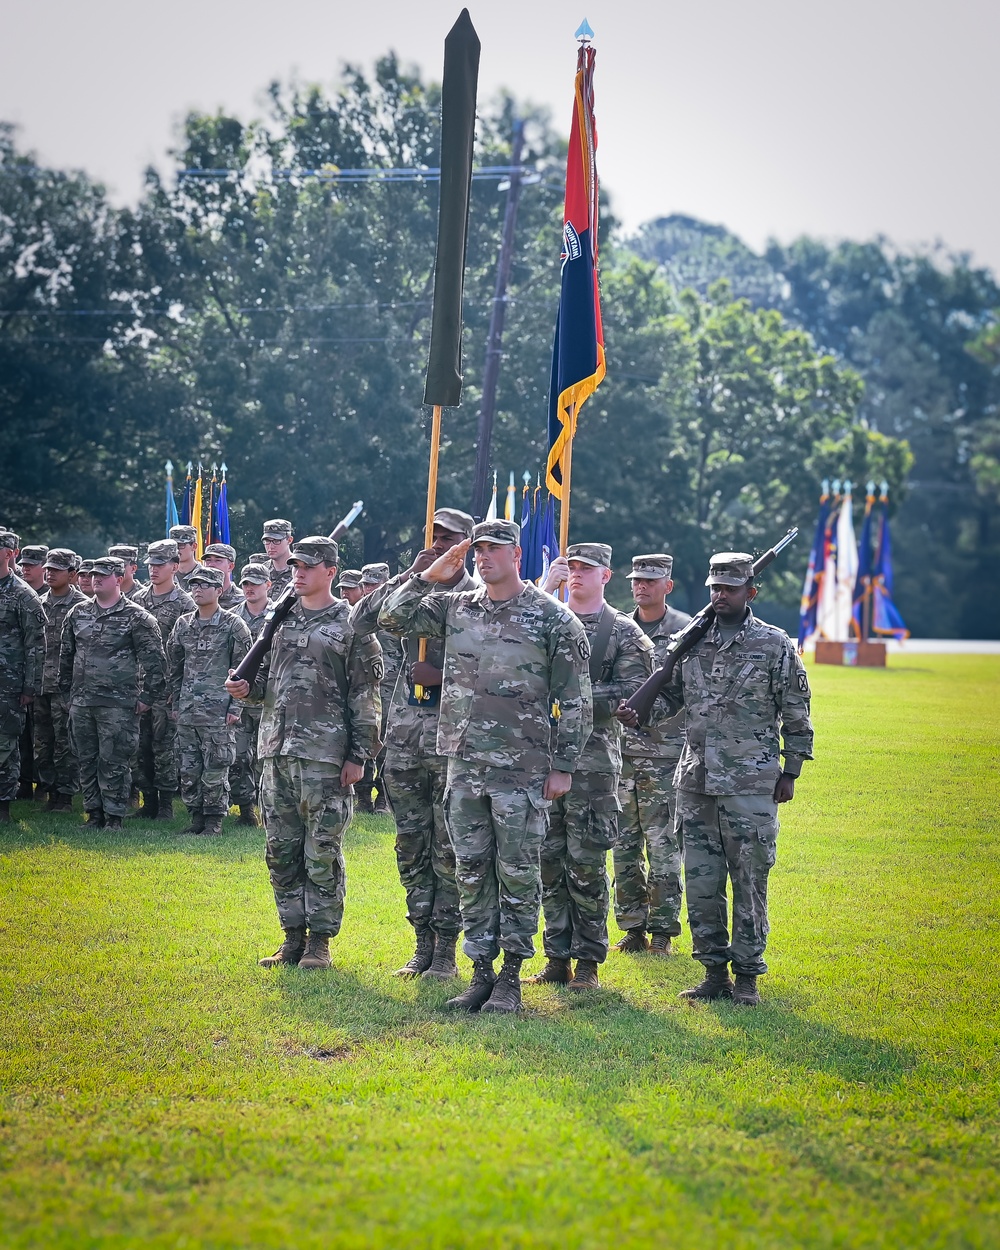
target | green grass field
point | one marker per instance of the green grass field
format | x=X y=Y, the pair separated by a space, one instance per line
x=160 y=1090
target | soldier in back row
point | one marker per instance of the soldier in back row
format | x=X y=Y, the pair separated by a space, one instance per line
x=30 y=569
x=222 y=556
x=22 y=654
x=186 y=538
x=55 y=757
x=372 y=577
x=277 y=540
x=245 y=775
x=129 y=556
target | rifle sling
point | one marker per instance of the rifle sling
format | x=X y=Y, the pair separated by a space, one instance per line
x=599 y=645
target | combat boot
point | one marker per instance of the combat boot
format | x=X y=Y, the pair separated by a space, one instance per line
x=197 y=824
x=506 y=996
x=114 y=822
x=382 y=804
x=443 y=966
x=50 y=803
x=585 y=976
x=480 y=988
x=248 y=816
x=659 y=944
x=150 y=806
x=93 y=818
x=165 y=805
x=25 y=790
x=717 y=984
x=62 y=802
x=423 y=954
x=4 y=811
x=745 y=994
x=633 y=943
x=317 y=952
x=212 y=827
x=555 y=972
x=289 y=952
x=363 y=802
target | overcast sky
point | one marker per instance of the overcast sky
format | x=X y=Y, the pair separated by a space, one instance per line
x=772 y=117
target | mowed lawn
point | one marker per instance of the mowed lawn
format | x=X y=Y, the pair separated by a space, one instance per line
x=159 y=1089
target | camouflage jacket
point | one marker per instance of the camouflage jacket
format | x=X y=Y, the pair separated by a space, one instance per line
x=516 y=690
x=254 y=624
x=111 y=657
x=663 y=737
x=231 y=598
x=738 y=697
x=411 y=732
x=56 y=607
x=22 y=637
x=199 y=657
x=627 y=662
x=319 y=688
x=165 y=609
x=280 y=582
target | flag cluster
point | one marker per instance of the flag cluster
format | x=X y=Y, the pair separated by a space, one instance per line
x=211 y=518
x=873 y=610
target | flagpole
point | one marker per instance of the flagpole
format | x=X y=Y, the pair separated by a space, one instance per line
x=567 y=474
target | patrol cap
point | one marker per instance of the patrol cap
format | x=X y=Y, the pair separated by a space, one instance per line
x=62 y=558
x=504 y=533
x=86 y=566
x=277 y=528
x=9 y=540
x=729 y=568
x=207 y=577
x=183 y=533
x=220 y=551
x=126 y=552
x=597 y=554
x=316 y=549
x=453 y=520
x=351 y=578
x=374 y=574
x=34 y=555
x=258 y=557
x=651 y=568
x=255 y=573
x=104 y=566
x=163 y=552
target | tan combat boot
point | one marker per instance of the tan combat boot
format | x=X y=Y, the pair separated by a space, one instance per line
x=585 y=976
x=659 y=944
x=165 y=811
x=745 y=994
x=317 y=952
x=480 y=988
x=213 y=825
x=443 y=966
x=423 y=955
x=197 y=824
x=717 y=984
x=248 y=816
x=506 y=996
x=555 y=972
x=289 y=952
x=633 y=943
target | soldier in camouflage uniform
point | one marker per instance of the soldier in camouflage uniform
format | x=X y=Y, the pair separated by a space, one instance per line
x=55 y=758
x=31 y=570
x=319 y=688
x=414 y=772
x=373 y=576
x=22 y=656
x=515 y=714
x=244 y=776
x=650 y=898
x=85 y=578
x=222 y=556
x=350 y=587
x=129 y=556
x=203 y=647
x=741 y=686
x=277 y=540
x=583 y=824
x=111 y=665
x=155 y=767
x=186 y=538
x=31 y=567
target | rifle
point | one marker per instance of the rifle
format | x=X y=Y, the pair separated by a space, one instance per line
x=249 y=666
x=642 y=701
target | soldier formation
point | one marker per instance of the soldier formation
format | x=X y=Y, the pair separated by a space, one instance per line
x=486 y=714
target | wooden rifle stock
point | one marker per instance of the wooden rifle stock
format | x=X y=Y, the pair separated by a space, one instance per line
x=249 y=666
x=642 y=701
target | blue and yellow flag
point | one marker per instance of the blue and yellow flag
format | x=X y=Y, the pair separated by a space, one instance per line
x=578 y=365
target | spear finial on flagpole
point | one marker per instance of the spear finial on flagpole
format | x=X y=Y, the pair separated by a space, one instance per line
x=584 y=34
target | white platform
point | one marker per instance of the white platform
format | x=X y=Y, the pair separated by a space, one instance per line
x=937 y=646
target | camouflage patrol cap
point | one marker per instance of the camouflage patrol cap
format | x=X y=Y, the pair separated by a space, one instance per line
x=351 y=578
x=34 y=555
x=316 y=549
x=730 y=568
x=504 y=533
x=107 y=566
x=651 y=568
x=454 y=521
x=62 y=558
x=86 y=567
x=183 y=533
x=9 y=540
x=207 y=577
x=255 y=573
x=163 y=552
x=220 y=551
x=374 y=574
x=597 y=554
x=258 y=557
x=126 y=552
x=277 y=529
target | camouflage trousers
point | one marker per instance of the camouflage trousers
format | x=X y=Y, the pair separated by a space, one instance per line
x=11 y=727
x=424 y=854
x=205 y=754
x=647 y=898
x=244 y=776
x=104 y=739
x=26 y=747
x=583 y=827
x=55 y=759
x=156 y=761
x=306 y=811
x=496 y=821
x=734 y=836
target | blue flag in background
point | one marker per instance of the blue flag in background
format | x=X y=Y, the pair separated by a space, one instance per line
x=809 y=606
x=886 y=618
x=222 y=528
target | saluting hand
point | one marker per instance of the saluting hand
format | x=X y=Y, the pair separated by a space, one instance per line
x=447 y=567
x=423 y=561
